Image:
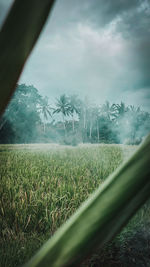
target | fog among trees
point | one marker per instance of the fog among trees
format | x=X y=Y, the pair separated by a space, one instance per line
x=29 y=118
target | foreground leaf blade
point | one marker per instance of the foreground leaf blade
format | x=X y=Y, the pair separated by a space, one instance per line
x=102 y=215
x=17 y=38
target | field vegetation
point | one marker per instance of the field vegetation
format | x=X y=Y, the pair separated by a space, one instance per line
x=42 y=185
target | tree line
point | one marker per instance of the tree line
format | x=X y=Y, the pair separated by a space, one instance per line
x=29 y=118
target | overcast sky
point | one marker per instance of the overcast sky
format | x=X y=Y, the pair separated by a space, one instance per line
x=95 y=48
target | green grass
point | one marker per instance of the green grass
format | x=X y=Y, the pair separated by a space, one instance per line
x=42 y=185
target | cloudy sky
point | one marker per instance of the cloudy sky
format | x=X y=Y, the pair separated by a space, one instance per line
x=94 y=48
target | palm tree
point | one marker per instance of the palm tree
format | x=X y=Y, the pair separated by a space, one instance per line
x=93 y=114
x=108 y=110
x=84 y=107
x=134 y=109
x=62 y=106
x=91 y=120
x=45 y=110
x=74 y=108
x=120 y=109
x=96 y=115
x=136 y=121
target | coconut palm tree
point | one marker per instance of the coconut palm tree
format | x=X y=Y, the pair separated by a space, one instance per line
x=108 y=110
x=63 y=107
x=91 y=120
x=136 y=119
x=96 y=115
x=84 y=110
x=74 y=108
x=120 y=110
x=45 y=110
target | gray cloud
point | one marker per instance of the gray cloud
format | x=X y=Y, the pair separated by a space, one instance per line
x=97 y=48
x=98 y=12
x=134 y=27
x=132 y=22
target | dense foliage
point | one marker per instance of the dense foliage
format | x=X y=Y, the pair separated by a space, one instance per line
x=30 y=119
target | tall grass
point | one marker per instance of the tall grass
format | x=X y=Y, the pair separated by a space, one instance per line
x=42 y=186
x=102 y=215
x=41 y=189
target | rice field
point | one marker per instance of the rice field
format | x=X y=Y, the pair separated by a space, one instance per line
x=42 y=185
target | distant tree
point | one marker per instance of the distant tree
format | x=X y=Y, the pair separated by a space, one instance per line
x=108 y=110
x=74 y=108
x=96 y=116
x=22 y=114
x=83 y=118
x=23 y=119
x=45 y=110
x=120 y=109
x=93 y=114
x=144 y=119
x=7 y=134
x=139 y=122
x=84 y=108
x=62 y=107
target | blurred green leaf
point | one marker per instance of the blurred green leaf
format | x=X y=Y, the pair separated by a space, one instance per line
x=17 y=38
